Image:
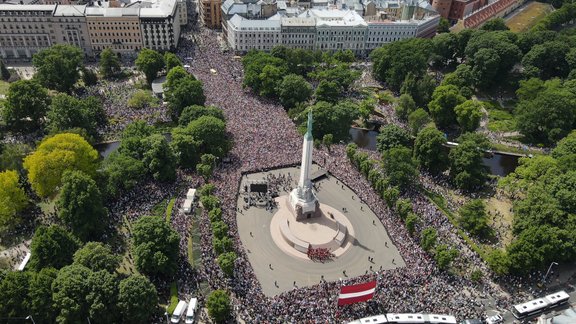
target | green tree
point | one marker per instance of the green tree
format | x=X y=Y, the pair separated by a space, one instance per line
x=26 y=105
x=69 y=291
x=391 y=136
x=58 y=67
x=400 y=168
x=209 y=202
x=80 y=205
x=405 y=106
x=96 y=256
x=185 y=147
x=444 y=256
x=327 y=91
x=444 y=100
x=175 y=75
x=417 y=120
x=462 y=78
x=171 y=61
x=390 y=196
x=122 y=172
x=473 y=218
x=218 y=304
x=219 y=229
x=103 y=297
x=52 y=247
x=194 y=112
x=547 y=118
x=428 y=238
x=159 y=158
x=142 y=99
x=67 y=112
x=331 y=119
x=412 y=221
x=468 y=115
x=495 y=24
x=403 y=208
x=270 y=78
x=215 y=215
x=293 y=89
x=211 y=133
x=429 y=150
x=393 y=61
x=40 y=295
x=4 y=73
x=14 y=289
x=254 y=63
x=13 y=200
x=466 y=167
x=226 y=263
x=186 y=92
x=328 y=140
x=443 y=26
x=137 y=299
x=530 y=172
x=89 y=77
x=150 y=63
x=444 y=47
x=155 y=245
x=13 y=155
x=206 y=166
x=547 y=60
x=419 y=87
x=498 y=261
x=565 y=147
x=55 y=155
x=222 y=245
x=109 y=63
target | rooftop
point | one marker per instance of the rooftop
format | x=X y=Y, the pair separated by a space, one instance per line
x=70 y=11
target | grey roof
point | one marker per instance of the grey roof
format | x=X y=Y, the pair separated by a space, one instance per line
x=70 y=11
x=10 y=7
x=157 y=85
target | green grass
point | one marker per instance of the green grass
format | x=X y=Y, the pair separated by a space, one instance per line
x=173 y=298
x=528 y=17
x=4 y=87
x=499 y=119
x=169 y=209
x=194 y=253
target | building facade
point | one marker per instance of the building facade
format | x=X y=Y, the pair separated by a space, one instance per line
x=210 y=13
x=123 y=27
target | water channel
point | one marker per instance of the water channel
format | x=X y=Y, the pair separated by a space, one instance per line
x=499 y=164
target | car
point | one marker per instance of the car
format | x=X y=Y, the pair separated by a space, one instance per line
x=495 y=319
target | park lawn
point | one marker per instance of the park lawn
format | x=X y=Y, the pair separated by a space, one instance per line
x=4 y=87
x=503 y=206
x=173 y=298
x=169 y=209
x=194 y=252
x=499 y=119
x=528 y=17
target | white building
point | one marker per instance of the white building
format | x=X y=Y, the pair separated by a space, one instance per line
x=338 y=30
x=247 y=34
x=160 y=23
x=298 y=32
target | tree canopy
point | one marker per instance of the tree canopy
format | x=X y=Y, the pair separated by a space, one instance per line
x=331 y=119
x=194 y=112
x=52 y=246
x=58 y=67
x=466 y=166
x=54 y=156
x=187 y=92
x=429 y=150
x=96 y=256
x=444 y=100
x=109 y=63
x=137 y=299
x=155 y=245
x=400 y=168
x=13 y=200
x=26 y=105
x=150 y=63
x=80 y=205
x=391 y=136
x=218 y=304
x=293 y=89
x=67 y=112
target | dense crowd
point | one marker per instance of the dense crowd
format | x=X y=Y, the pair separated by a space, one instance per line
x=266 y=138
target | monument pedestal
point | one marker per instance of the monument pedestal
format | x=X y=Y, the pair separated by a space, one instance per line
x=304 y=206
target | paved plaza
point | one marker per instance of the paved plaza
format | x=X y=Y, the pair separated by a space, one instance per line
x=277 y=270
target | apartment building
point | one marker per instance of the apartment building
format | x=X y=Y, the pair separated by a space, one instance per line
x=125 y=27
x=329 y=28
x=209 y=12
x=114 y=28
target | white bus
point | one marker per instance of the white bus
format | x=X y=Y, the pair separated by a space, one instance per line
x=178 y=312
x=378 y=319
x=540 y=305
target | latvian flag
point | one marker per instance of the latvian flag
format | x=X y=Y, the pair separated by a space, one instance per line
x=356 y=293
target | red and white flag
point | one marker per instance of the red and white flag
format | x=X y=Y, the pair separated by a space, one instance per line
x=356 y=293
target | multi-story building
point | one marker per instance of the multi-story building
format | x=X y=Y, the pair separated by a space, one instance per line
x=210 y=13
x=160 y=23
x=27 y=29
x=329 y=28
x=114 y=28
x=457 y=9
x=125 y=27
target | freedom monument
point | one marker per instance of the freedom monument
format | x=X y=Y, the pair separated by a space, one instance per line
x=300 y=226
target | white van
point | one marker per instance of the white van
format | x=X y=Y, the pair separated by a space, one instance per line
x=178 y=312
x=192 y=306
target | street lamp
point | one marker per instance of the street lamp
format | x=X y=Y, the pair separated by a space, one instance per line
x=166 y=314
x=548 y=272
x=29 y=317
